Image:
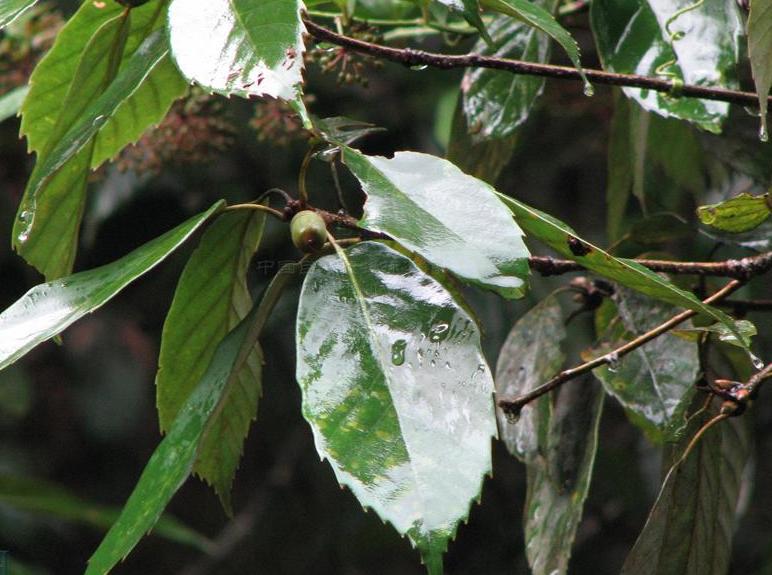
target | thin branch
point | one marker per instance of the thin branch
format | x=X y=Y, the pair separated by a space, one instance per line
x=410 y=57
x=742 y=269
x=755 y=382
x=513 y=406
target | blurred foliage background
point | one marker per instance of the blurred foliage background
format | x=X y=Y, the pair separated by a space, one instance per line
x=81 y=415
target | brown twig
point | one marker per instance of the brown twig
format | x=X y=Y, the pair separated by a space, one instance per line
x=742 y=269
x=411 y=57
x=513 y=406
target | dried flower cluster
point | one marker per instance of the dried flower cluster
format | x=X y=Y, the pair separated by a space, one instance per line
x=194 y=130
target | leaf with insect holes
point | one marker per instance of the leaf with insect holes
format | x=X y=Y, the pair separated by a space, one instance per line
x=249 y=48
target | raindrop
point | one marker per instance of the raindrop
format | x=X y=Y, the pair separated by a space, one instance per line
x=22 y=237
x=447 y=365
x=588 y=89
x=398 y=352
x=756 y=361
x=433 y=363
x=24 y=216
x=763 y=134
x=98 y=120
x=419 y=67
x=613 y=361
x=437 y=333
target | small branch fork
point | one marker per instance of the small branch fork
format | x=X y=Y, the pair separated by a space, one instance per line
x=513 y=406
x=411 y=57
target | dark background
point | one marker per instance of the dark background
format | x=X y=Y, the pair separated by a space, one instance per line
x=82 y=414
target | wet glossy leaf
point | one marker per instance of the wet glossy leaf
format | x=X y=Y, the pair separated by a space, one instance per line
x=559 y=480
x=689 y=530
x=423 y=202
x=396 y=390
x=48 y=309
x=760 y=53
x=655 y=382
x=211 y=298
x=495 y=103
x=627 y=272
x=529 y=357
x=534 y=15
x=10 y=102
x=632 y=38
x=36 y=496
x=738 y=214
x=250 y=49
x=173 y=459
x=12 y=9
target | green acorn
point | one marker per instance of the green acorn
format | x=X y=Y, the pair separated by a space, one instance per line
x=309 y=231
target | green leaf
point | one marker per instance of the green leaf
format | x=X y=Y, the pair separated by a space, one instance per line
x=495 y=102
x=741 y=213
x=45 y=232
x=534 y=15
x=632 y=38
x=36 y=496
x=470 y=9
x=424 y=203
x=396 y=390
x=627 y=272
x=689 y=530
x=745 y=327
x=240 y=47
x=211 y=298
x=55 y=76
x=71 y=97
x=131 y=76
x=655 y=382
x=760 y=53
x=10 y=102
x=12 y=9
x=558 y=482
x=529 y=357
x=173 y=459
x=48 y=309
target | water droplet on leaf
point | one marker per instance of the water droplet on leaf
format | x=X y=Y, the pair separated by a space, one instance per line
x=398 y=352
x=419 y=67
x=756 y=361
x=763 y=134
x=589 y=91
x=437 y=332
